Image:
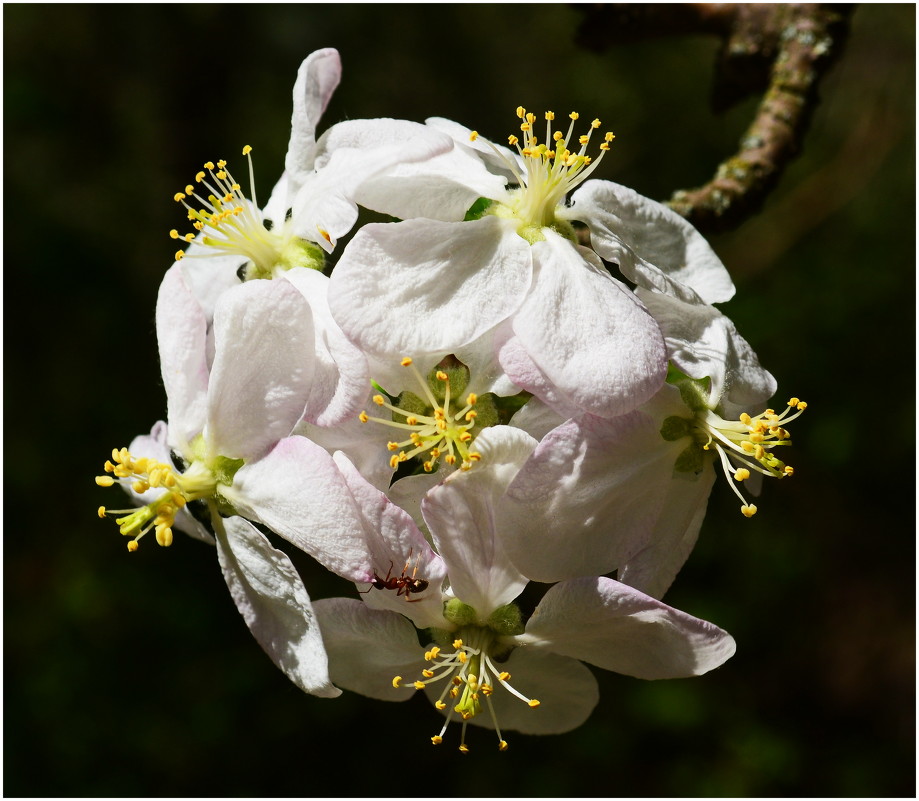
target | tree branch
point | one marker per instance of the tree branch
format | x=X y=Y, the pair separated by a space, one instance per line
x=782 y=50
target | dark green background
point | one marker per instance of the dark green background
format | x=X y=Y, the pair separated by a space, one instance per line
x=134 y=674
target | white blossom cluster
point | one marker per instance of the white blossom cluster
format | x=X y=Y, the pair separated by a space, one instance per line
x=446 y=407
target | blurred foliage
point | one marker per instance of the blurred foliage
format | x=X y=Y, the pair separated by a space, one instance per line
x=130 y=675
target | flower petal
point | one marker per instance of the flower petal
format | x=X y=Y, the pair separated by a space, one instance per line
x=653 y=245
x=702 y=342
x=340 y=378
x=263 y=368
x=460 y=514
x=368 y=647
x=653 y=569
x=589 y=497
x=587 y=333
x=441 y=186
x=298 y=491
x=397 y=549
x=615 y=627
x=317 y=79
x=181 y=329
x=421 y=286
x=272 y=600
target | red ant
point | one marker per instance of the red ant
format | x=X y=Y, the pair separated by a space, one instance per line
x=404 y=585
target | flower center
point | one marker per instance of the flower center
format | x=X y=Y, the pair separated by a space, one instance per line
x=144 y=474
x=431 y=427
x=551 y=169
x=469 y=676
x=742 y=445
x=227 y=222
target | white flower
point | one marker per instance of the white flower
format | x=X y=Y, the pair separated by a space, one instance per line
x=630 y=493
x=230 y=426
x=510 y=276
x=480 y=663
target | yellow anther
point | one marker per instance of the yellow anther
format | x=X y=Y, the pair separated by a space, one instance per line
x=531 y=118
x=179 y=255
x=412 y=421
x=457 y=644
x=464 y=749
x=247 y=150
x=800 y=406
x=174 y=234
x=363 y=417
x=574 y=115
x=583 y=139
x=164 y=536
x=521 y=112
x=502 y=745
x=222 y=163
x=199 y=176
x=442 y=376
x=132 y=546
x=208 y=165
x=533 y=703
x=427 y=673
x=742 y=474
x=595 y=124
x=487 y=689
x=748 y=509
x=394 y=462
x=393 y=446
x=418 y=685
x=512 y=140
x=437 y=739
x=504 y=676
x=178 y=196
x=604 y=146
x=440 y=705
x=379 y=400
x=102 y=512
x=450 y=459
x=475 y=456
x=105 y=481
x=794 y=402
x=749 y=447
x=609 y=136
x=473 y=135
x=189 y=189
x=406 y=361
x=472 y=399
x=396 y=681
x=434 y=652
x=462 y=657
x=788 y=470
x=550 y=115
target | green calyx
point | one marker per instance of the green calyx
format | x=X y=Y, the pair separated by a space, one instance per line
x=693 y=392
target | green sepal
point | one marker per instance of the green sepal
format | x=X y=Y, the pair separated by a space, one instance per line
x=459 y=613
x=675 y=428
x=224 y=469
x=478 y=209
x=690 y=460
x=507 y=406
x=506 y=620
x=693 y=392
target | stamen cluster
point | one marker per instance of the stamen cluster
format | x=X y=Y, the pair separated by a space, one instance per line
x=471 y=673
x=442 y=433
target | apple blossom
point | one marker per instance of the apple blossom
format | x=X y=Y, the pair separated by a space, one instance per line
x=481 y=663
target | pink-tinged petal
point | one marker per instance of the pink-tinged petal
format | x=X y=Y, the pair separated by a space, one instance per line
x=440 y=186
x=271 y=598
x=589 y=497
x=461 y=515
x=653 y=245
x=422 y=286
x=181 y=329
x=155 y=446
x=208 y=274
x=537 y=418
x=317 y=79
x=653 y=569
x=298 y=492
x=263 y=369
x=566 y=690
x=340 y=378
x=408 y=493
x=523 y=370
x=587 y=333
x=615 y=627
x=398 y=551
x=704 y=343
x=367 y=648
